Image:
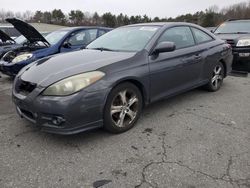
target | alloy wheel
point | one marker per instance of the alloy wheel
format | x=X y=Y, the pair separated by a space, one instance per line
x=124 y=108
x=217 y=78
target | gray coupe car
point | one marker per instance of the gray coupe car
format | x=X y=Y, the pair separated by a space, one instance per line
x=108 y=83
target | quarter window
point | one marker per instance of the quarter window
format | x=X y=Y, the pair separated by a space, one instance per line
x=201 y=36
x=181 y=36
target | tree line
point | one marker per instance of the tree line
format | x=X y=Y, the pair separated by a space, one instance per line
x=208 y=18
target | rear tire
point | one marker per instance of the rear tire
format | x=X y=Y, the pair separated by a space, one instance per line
x=123 y=108
x=216 y=78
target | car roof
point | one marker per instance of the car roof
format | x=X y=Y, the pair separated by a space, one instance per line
x=238 y=20
x=83 y=27
x=161 y=24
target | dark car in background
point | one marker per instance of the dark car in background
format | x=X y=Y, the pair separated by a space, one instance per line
x=6 y=43
x=10 y=30
x=237 y=34
x=5 y=39
x=63 y=40
x=108 y=83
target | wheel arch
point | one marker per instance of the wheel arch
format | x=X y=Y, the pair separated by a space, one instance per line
x=138 y=84
x=224 y=66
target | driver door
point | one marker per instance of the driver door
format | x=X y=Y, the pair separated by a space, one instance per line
x=172 y=72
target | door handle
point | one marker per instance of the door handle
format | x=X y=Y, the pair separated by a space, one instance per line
x=198 y=57
x=192 y=59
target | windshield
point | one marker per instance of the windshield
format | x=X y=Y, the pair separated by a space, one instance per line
x=20 y=40
x=55 y=36
x=234 y=27
x=125 y=39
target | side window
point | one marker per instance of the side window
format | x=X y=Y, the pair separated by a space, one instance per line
x=181 y=36
x=201 y=36
x=93 y=34
x=82 y=37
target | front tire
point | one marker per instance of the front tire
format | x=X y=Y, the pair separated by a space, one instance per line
x=123 y=108
x=216 y=78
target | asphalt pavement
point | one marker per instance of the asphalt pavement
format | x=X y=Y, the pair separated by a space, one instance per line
x=195 y=140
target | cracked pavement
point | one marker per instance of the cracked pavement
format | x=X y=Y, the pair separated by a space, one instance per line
x=195 y=140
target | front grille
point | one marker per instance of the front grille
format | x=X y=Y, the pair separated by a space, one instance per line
x=231 y=42
x=24 y=87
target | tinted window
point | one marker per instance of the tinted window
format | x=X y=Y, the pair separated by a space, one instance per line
x=234 y=27
x=82 y=37
x=181 y=36
x=201 y=36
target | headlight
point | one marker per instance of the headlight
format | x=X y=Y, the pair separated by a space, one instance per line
x=243 y=42
x=22 y=57
x=73 y=84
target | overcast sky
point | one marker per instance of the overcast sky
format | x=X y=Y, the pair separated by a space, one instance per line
x=160 y=8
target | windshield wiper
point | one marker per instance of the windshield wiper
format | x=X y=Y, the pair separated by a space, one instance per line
x=235 y=33
x=241 y=32
x=101 y=49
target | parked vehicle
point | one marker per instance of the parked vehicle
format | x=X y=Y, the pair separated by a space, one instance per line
x=6 y=43
x=5 y=39
x=10 y=30
x=9 y=44
x=109 y=82
x=237 y=34
x=63 y=40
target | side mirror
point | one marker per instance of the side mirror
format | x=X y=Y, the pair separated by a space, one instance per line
x=164 y=47
x=66 y=45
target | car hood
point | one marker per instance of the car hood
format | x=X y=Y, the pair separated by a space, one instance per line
x=7 y=48
x=52 y=69
x=232 y=36
x=28 y=31
x=5 y=37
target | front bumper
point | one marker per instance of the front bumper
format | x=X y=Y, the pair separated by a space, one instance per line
x=241 y=59
x=62 y=115
x=10 y=69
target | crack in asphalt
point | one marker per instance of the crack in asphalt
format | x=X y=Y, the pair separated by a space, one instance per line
x=229 y=125
x=233 y=182
x=227 y=174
